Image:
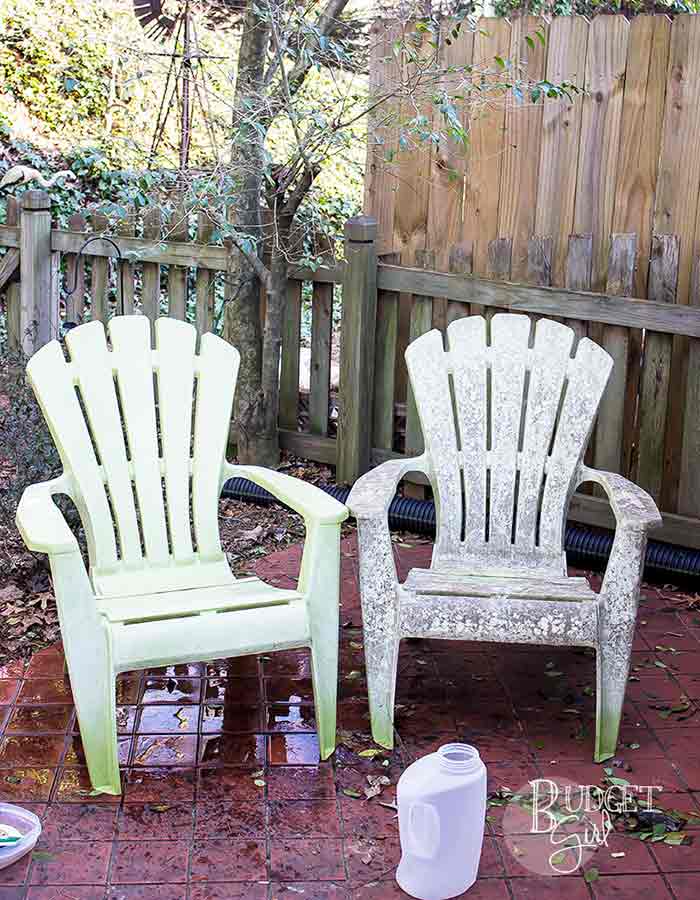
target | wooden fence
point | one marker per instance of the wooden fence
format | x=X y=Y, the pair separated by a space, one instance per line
x=178 y=278
x=597 y=194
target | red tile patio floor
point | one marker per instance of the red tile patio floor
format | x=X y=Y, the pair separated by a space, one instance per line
x=225 y=796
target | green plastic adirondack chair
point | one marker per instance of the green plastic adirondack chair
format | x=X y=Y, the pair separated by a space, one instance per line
x=142 y=435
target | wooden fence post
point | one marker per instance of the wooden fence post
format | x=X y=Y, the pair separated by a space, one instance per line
x=357 y=349
x=38 y=315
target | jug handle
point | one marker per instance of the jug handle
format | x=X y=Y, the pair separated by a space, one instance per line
x=427 y=845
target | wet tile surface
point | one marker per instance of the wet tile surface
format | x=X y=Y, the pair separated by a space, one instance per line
x=225 y=795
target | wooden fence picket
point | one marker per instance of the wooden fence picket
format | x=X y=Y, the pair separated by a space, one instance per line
x=99 y=273
x=150 y=287
x=656 y=371
x=75 y=274
x=320 y=366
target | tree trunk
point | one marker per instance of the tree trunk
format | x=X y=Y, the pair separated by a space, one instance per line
x=242 y=317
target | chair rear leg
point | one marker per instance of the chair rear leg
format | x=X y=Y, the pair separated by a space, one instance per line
x=94 y=693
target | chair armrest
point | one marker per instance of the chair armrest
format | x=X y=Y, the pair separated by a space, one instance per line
x=40 y=521
x=372 y=494
x=306 y=499
x=633 y=507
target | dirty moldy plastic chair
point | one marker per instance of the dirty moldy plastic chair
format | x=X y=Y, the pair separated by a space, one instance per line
x=506 y=416
x=142 y=435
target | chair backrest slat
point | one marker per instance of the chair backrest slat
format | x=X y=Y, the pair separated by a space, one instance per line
x=133 y=359
x=467 y=342
x=504 y=450
x=92 y=369
x=427 y=367
x=588 y=376
x=175 y=343
x=551 y=356
x=509 y=352
x=52 y=381
x=216 y=384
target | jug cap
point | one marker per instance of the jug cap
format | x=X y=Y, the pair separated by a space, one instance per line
x=459 y=758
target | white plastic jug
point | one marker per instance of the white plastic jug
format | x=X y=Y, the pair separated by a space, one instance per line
x=442 y=807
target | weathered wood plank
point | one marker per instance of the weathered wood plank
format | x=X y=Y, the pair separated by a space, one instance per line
x=382 y=144
x=483 y=184
x=320 y=374
x=150 y=288
x=37 y=285
x=450 y=159
x=9 y=266
x=125 y=269
x=578 y=274
x=689 y=486
x=539 y=260
x=460 y=263
x=640 y=136
x=177 y=275
x=678 y=184
x=609 y=433
x=421 y=322
x=9 y=236
x=521 y=151
x=99 y=273
x=289 y=371
x=656 y=370
x=357 y=359
x=384 y=368
x=624 y=311
x=561 y=127
x=204 y=280
x=153 y=250
x=75 y=274
x=606 y=57
x=13 y=302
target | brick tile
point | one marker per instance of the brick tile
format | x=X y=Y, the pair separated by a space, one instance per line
x=546 y=888
x=310 y=890
x=232 y=890
x=158 y=689
x=234 y=783
x=304 y=818
x=45 y=690
x=79 y=822
x=167 y=784
x=232 y=749
x=685 y=886
x=300 y=783
x=227 y=860
x=73 y=786
x=22 y=783
x=146 y=892
x=72 y=892
x=630 y=887
x=17 y=872
x=234 y=719
x=71 y=862
x=143 y=862
x=232 y=690
x=299 y=859
x=155 y=822
x=39 y=719
x=8 y=690
x=168 y=719
x=165 y=750
x=369 y=858
x=31 y=750
x=223 y=819
x=293 y=749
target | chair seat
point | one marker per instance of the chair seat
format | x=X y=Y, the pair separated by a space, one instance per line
x=244 y=593
x=452 y=584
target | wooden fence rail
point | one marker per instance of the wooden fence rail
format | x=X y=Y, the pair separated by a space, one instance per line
x=179 y=278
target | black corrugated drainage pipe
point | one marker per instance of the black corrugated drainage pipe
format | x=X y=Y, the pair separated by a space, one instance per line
x=585 y=547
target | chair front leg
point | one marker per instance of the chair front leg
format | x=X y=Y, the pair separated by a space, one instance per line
x=320 y=581
x=617 y=614
x=87 y=648
x=380 y=618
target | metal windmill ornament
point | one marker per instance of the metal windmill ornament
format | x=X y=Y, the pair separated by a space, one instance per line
x=185 y=91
